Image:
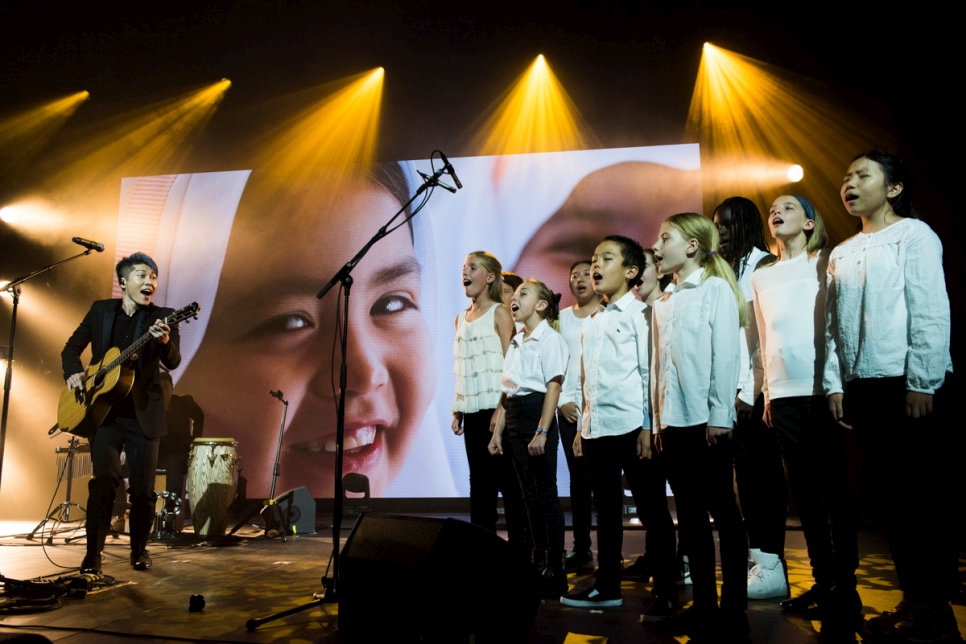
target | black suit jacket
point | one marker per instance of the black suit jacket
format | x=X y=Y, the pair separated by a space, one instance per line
x=147 y=394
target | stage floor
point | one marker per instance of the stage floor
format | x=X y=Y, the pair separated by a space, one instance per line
x=253 y=577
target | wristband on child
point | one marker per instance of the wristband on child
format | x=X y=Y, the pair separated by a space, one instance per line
x=540 y=430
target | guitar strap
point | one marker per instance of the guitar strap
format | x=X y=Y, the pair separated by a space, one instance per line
x=107 y=329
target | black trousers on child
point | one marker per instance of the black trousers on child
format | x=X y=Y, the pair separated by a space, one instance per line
x=912 y=466
x=489 y=476
x=762 y=490
x=813 y=449
x=607 y=457
x=537 y=475
x=702 y=479
x=580 y=494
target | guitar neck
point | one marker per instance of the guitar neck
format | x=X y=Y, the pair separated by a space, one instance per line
x=131 y=350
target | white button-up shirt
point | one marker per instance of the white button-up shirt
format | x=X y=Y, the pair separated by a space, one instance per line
x=887 y=309
x=695 y=364
x=531 y=362
x=614 y=362
x=571 y=328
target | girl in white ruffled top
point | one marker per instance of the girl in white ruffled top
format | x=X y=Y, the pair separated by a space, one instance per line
x=483 y=333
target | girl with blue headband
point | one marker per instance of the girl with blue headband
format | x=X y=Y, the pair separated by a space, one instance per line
x=789 y=300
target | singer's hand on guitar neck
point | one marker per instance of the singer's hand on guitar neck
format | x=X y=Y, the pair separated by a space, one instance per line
x=160 y=332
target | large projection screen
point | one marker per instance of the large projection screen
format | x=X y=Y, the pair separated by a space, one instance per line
x=254 y=256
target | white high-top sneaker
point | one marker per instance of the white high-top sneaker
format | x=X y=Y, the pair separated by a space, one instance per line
x=767 y=577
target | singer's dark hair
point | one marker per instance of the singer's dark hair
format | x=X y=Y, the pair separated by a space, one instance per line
x=127 y=264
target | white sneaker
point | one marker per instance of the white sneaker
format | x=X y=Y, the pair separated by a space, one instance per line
x=767 y=577
x=685 y=579
x=753 y=554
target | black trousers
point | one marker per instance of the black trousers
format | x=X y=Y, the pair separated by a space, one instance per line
x=702 y=479
x=607 y=457
x=813 y=449
x=489 y=476
x=762 y=490
x=537 y=475
x=912 y=464
x=580 y=494
x=142 y=459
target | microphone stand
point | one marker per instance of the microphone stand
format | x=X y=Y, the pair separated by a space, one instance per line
x=13 y=288
x=274 y=513
x=344 y=277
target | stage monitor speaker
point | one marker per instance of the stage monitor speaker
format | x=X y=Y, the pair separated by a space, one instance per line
x=298 y=511
x=406 y=579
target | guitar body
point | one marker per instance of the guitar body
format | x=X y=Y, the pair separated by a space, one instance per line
x=82 y=415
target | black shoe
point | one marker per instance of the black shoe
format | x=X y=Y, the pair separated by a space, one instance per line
x=91 y=565
x=553 y=583
x=140 y=560
x=734 y=625
x=661 y=608
x=843 y=605
x=808 y=603
x=693 y=621
x=640 y=570
x=918 y=623
x=590 y=598
x=579 y=561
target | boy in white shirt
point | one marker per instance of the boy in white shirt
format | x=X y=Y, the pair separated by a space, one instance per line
x=615 y=433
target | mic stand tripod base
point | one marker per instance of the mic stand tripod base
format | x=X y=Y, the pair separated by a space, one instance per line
x=273 y=522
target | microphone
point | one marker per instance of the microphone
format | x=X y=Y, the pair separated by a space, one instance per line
x=98 y=246
x=276 y=394
x=439 y=183
x=450 y=170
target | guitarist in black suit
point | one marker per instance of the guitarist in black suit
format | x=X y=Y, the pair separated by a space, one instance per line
x=136 y=421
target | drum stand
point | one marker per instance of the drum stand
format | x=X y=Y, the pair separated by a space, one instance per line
x=61 y=514
x=273 y=520
x=344 y=278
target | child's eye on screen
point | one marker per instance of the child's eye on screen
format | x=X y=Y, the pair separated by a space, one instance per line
x=390 y=304
x=281 y=324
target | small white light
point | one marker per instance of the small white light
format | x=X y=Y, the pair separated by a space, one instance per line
x=795 y=173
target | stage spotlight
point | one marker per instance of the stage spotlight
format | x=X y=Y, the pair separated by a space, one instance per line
x=534 y=115
x=750 y=118
x=795 y=173
x=149 y=140
x=37 y=218
x=336 y=132
x=24 y=135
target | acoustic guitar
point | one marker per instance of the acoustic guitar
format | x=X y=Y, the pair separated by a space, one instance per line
x=81 y=412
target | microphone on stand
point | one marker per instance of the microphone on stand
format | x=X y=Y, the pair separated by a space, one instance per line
x=439 y=183
x=276 y=394
x=450 y=171
x=92 y=245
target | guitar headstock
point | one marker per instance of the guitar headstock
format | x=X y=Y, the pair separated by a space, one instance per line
x=185 y=314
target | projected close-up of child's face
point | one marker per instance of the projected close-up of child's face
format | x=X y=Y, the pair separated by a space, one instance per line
x=630 y=199
x=268 y=331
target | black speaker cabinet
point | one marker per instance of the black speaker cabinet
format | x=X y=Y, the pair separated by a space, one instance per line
x=407 y=579
x=298 y=510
